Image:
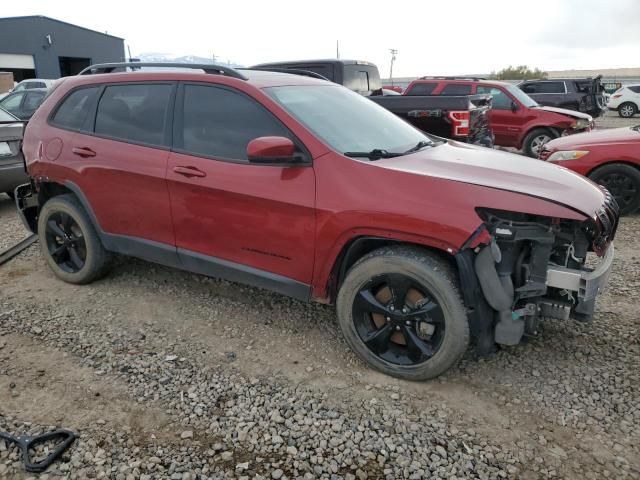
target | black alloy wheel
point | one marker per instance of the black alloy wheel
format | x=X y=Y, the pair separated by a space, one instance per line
x=399 y=320
x=65 y=242
x=622 y=187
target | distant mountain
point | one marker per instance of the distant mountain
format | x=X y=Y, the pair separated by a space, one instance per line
x=164 y=57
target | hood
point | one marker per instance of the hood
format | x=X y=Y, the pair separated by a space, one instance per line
x=11 y=131
x=567 y=112
x=603 y=137
x=461 y=162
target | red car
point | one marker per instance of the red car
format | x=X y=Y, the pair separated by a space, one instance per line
x=304 y=187
x=516 y=119
x=608 y=157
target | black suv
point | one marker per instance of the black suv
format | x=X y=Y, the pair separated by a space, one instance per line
x=580 y=94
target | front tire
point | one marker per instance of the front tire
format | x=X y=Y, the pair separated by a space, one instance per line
x=535 y=140
x=401 y=311
x=69 y=241
x=623 y=182
x=627 y=110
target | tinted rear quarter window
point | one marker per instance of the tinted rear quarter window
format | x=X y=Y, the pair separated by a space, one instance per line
x=635 y=89
x=220 y=123
x=136 y=113
x=422 y=89
x=531 y=88
x=74 y=110
x=456 y=89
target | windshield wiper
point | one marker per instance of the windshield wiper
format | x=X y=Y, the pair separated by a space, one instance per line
x=375 y=154
x=419 y=146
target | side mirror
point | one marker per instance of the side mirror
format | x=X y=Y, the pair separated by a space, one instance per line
x=271 y=150
x=514 y=107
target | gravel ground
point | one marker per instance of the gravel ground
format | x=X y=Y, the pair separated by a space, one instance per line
x=612 y=120
x=169 y=375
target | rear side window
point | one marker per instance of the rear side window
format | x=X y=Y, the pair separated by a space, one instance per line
x=220 y=123
x=74 y=110
x=33 y=100
x=635 y=89
x=422 y=89
x=552 y=87
x=456 y=89
x=136 y=113
x=36 y=85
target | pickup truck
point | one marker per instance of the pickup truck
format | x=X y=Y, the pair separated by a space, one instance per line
x=516 y=119
x=463 y=118
x=580 y=94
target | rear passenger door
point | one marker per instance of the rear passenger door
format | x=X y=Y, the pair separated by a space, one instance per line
x=119 y=162
x=235 y=219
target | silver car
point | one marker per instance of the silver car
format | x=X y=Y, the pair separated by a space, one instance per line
x=12 y=172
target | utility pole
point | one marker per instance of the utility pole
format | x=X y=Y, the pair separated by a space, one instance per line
x=394 y=52
x=338 y=49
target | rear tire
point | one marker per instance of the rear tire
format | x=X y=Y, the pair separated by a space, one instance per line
x=623 y=182
x=420 y=333
x=535 y=140
x=69 y=241
x=627 y=109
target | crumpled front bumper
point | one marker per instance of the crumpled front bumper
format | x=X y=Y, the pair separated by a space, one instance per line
x=587 y=284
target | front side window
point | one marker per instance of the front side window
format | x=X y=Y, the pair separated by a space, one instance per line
x=500 y=99
x=220 y=123
x=74 y=110
x=346 y=121
x=531 y=88
x=136 y=113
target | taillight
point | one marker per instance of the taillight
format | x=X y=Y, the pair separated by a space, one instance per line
x=617 y=95
x=460 y=122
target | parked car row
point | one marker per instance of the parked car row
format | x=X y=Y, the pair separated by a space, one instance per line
x=302 y=186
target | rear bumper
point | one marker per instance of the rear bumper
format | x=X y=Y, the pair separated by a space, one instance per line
x=11 y=176
x=27 y=206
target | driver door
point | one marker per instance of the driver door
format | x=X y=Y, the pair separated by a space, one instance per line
x=234 y=219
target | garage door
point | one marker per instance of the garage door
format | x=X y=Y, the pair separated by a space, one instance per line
x=11 y=61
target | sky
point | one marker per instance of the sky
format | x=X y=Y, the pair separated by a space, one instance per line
x=432 y=37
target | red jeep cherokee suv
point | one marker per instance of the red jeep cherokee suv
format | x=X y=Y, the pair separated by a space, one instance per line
x=516 y=119
x=301 y=186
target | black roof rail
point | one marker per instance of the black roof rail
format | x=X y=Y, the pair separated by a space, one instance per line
x=206 y=67
x=293 y=71
x=474 y=79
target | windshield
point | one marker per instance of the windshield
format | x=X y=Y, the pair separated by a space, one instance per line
x=346 y=121
x=522 y=97
x=6 y=116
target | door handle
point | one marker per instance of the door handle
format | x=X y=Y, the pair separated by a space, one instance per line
x=189 y=172
x=83 y=152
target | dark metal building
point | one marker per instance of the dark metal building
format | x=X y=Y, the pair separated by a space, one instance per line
x=42 y=47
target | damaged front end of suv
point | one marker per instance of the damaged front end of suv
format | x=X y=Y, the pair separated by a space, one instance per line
x=530 y=267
